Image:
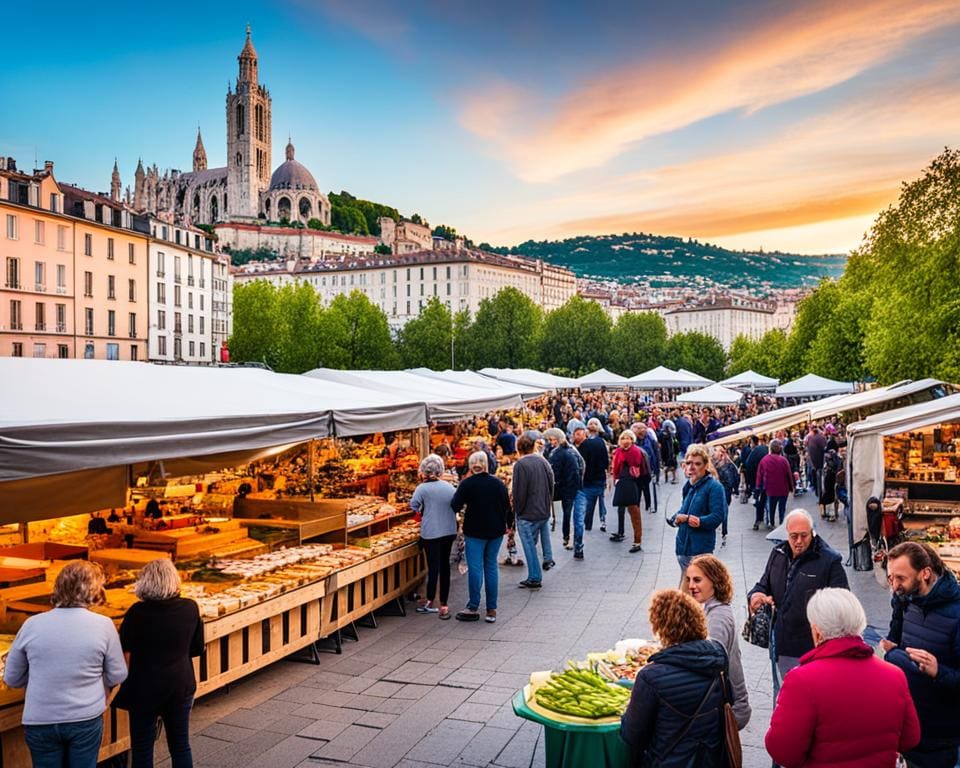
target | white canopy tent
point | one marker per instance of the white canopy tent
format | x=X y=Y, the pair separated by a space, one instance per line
x=530 y=377
x=446 y=401
x=865 y=464
x=662 y=377
x=715 y=394
x=812 y=385
x=695 y=378
x=751 y=381
x=853 y=406
x=69 y=429
x=602 y=378
x=478 y=380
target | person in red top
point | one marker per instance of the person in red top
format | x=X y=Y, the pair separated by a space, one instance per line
x=843 y=706
x=629 y=466
x=775 y=477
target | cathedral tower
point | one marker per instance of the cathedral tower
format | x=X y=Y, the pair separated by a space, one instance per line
x=115 y=183
x=139 y=188
x=248 y=138
x=199 y=155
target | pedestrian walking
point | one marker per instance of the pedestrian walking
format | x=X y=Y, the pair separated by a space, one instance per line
x=568 y=480
x=675 y=717
x=160 y=635
x=701 y=511
x=438 y=529
x=488 y=515
x=710 y=584
x=729 y=476
x=924 y=641
x=69 y=660
x=647 y=442
x=596 y=461
x=794 y=570
x=668 y=450
x=775 y=479
x=841 y=706
x=629 y=463
x=532 y=488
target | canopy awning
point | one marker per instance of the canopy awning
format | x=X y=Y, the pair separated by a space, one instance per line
x=662 y=377
x=602 y=378
x=530 y=377
x=478 y=380
x=695 y=378
x=70 y=428
x=750 y=380
x=865 y=458
x=812 y=385
x=446 y=401
x=715 y=394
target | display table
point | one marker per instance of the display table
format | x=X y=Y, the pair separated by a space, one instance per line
x=576 y=745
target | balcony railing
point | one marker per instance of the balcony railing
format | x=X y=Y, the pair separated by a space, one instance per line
x=16 y=326
x=190 y=280
x=161 y=273
x=61 y=289
x=61 y=327
x=40 y=287
x=40 y=326
x=12 y=284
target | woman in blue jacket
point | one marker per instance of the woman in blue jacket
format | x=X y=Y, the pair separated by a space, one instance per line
x=701 y=513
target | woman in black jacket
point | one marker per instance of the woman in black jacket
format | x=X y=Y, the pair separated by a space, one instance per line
x=675 y=717
x=486 y=518
x=159 y=636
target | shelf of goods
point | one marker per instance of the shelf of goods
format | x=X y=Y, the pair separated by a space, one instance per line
x=256 y=609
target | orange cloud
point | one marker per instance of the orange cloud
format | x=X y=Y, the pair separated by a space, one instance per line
x=813 y=46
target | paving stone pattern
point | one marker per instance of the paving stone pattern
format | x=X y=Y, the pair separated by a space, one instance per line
x=419 y=692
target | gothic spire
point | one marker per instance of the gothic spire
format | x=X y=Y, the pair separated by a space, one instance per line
x=199 y=154
x=289 y=152
x=248 y=61
x=115 y=182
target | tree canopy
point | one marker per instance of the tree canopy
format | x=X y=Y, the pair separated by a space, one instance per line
x=696 y=352
x=576 y=337
x=638 y=342
x=505 y=331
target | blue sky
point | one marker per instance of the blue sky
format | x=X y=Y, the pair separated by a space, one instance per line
x=776 y=124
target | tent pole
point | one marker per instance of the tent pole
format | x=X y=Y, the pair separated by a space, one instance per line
x=311 y=467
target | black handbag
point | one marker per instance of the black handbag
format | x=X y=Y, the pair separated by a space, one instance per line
x=862 y=555
x=758 y=626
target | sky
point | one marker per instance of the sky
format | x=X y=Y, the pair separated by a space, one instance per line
x=762 y=123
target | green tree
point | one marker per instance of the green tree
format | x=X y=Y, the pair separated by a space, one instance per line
x=256 y=324
x=426 y=339
x=360 y=334
x=462 y=358
x=315 y=223
x=638 y=343
x=813 y=313
x=349 y=219
x=837 y=351
x=763 y=355
x=904 y=279
x=298 y=329
x=743 y=355
x=447 y=233
x=576 y=337
x=505 y=331
x=696 y=352
x=383 y=250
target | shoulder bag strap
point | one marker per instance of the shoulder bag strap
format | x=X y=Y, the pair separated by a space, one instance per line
x=686 y=728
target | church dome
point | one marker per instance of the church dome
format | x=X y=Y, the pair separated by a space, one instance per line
x=292 y=175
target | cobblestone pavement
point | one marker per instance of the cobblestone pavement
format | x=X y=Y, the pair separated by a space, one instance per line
x=421 y=692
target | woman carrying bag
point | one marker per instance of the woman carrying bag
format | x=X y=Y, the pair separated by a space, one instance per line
x=629 y=464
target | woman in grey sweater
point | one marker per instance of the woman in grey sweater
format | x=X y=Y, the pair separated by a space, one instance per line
x=68 y=659
x=708 y=582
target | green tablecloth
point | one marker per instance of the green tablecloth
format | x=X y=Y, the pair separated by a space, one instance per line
x=571 y=745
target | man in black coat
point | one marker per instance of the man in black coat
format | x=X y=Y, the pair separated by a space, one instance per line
x=795 y=570
x=758 y=450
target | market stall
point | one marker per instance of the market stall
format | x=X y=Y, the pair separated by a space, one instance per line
x=910 y=458
x=530 y=377
x=662 y=377
x=811 y=386
x=280 y=499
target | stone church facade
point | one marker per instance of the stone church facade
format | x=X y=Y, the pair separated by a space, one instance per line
x=244 y=189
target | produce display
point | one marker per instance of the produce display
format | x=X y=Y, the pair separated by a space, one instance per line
x=582 y=693
x=627 y=667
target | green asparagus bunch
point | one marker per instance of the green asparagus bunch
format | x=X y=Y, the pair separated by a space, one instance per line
x=582 y=693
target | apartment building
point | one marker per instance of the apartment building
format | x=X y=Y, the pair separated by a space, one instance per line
x=401 y=284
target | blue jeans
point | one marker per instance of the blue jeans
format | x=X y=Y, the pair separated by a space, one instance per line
x=590 y=494
x=775 y=504
x=176 y=724
x=65 y=745
x=684 y=561
x=945 y=758
x=482 y=570
x=529 y=532
x=579 y=509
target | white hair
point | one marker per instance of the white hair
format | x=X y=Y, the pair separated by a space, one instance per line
x=594 y=426
x=158 y=580
x=479 y=460
x=432 y=466
x=837 y=613
x=794 y=514
x=628 y=433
